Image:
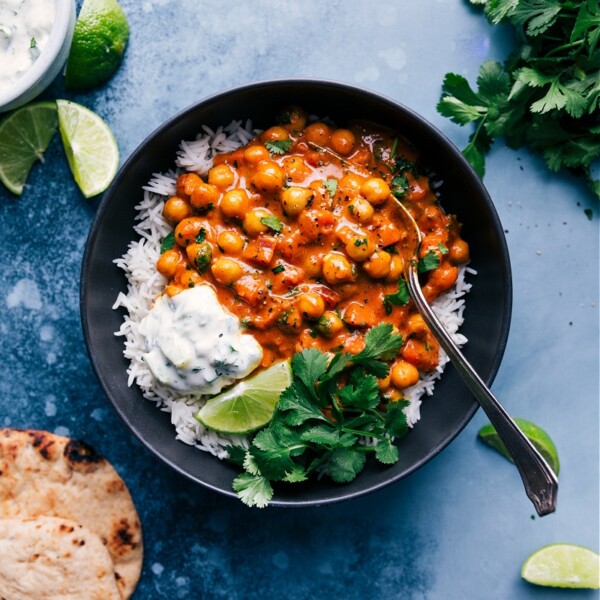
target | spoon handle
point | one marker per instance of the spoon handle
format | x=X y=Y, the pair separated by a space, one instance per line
x=541 y=484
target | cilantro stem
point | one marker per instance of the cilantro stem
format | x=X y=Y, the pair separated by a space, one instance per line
x=564 y=47
x=362 y=433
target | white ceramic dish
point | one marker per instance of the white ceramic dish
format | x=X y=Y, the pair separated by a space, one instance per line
x=43 y=71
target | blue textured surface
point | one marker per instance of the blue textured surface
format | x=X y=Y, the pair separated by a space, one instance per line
x=461 y=526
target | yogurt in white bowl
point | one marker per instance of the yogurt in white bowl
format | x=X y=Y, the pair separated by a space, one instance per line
x=35 y=37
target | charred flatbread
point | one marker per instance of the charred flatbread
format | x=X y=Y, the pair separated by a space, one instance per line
x=46 y=474
x=47 y=558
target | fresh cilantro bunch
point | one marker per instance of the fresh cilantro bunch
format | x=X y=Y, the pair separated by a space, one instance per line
x=545 y=95
x=323 y=418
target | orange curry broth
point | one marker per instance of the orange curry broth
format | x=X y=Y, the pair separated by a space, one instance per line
x=320 y=281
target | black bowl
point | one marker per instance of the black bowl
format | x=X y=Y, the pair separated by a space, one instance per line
x=487 y=315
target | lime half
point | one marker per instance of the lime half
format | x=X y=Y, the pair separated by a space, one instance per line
x=249 y=404
x=99 y=42
x=563 y=565
x=90 y=147
x=537 y=436
x=24 y=137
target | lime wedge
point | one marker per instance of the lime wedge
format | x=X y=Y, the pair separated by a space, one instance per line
x=24 y=137
x=249 y=404
x=538 y=437
x=563 y=565
x=90 y=147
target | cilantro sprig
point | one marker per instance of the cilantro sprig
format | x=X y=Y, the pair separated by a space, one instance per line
x=278 y=146
x=545 y=96
x=321 y=419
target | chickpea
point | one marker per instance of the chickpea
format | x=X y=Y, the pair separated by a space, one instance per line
x=295 y=199
x=312 y=265
x=254 y=154
x=221 y=176
x=385 y=382
x=337 y=268
x=186 y=183
x=226 y=270
x=205 y=196
x=342 y=141
x=378 y=266
x=361 y=210
x=292 y=118
x=190 y=279
x=187 y=230
x=350 y=184
x=403 y=374
x=275 y=134
x=200 y=254
x=290 y=320
x=310 y=305
x=176 y=209
x=330 y=324
x=268 y=177
x=359 y=248
x=392 y=395
x=230 y=242
x=235 y=203
x=375 y=190
x=168 y=262
x=458 y=253
x=318 y=133
x=396 y=268
x=416 y=324
x=253 y=224
x=295 y=169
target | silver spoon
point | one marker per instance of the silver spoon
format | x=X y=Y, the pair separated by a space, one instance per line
x=541 y=484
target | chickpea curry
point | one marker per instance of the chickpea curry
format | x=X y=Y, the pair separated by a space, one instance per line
x=299 y=234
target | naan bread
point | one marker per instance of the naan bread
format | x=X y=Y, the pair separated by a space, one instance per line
x=54 y=559
x=46 y=474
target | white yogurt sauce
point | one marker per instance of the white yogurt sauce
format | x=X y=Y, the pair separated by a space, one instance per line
x=194 y=346
x=25 y=27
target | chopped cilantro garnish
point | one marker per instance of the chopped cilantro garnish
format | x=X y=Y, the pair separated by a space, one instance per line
x=429 y=262
x=442 y=249
x=278 y=146
x=331 y=186
x=32 y=43
x=301 y=439
x=278 y=269
x=272 y=222
x=358 y=242
x=400 y=298
x=399 y=186
x=168 y=242
x=201 y=236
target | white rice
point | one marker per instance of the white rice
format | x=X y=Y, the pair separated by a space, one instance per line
x=145 y=284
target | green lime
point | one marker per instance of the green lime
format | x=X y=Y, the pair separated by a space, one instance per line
x=90 y=147
x=563 y=565
x=538 y=437
x=24 y=136
x=99 y=42
x=249 y=404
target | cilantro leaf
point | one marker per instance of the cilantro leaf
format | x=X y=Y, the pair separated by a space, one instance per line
x=278 y=146
x=331 y=186
x=201 y=236
x=345 y=464
x=296 y=475
x=168 y=242
x=253 y=490
x=272 y=222
x=395 y=419
x=380 y=342
x=295 y=403
x=400 y=298
x=399 y=186
x=429 y=262
x=361 y=391
x=325 y=435
x=236 y=454
x=308 y=366
x=386 y=453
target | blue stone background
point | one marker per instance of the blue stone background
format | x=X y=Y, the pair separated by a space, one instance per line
x=458 y=528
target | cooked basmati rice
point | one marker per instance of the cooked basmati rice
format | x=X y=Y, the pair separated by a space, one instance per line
x=145 y=283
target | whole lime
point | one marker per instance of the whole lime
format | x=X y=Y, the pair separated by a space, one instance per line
x=99 y=42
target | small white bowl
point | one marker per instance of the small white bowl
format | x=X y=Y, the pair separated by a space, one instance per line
x=51 y=60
